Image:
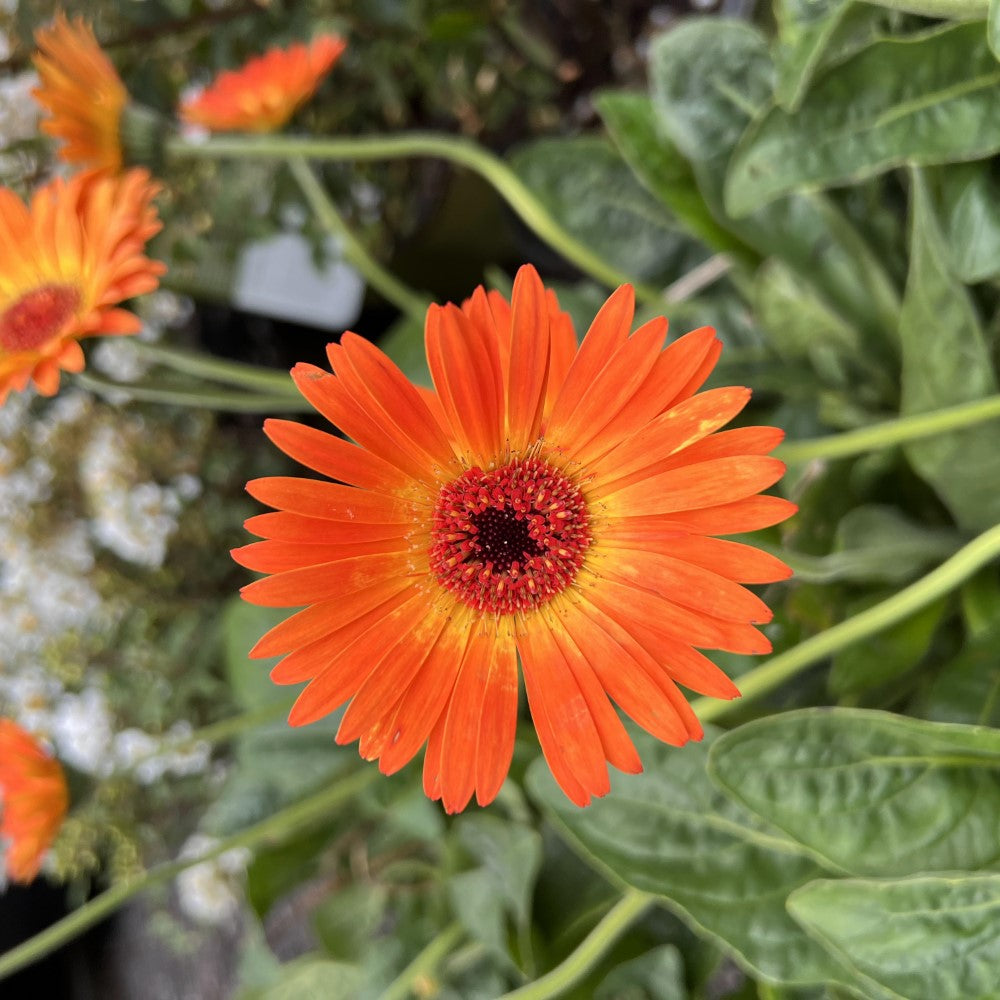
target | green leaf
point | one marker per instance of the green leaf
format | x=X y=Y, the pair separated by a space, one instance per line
x=993 y=27
x=592 y=191
x=242 y=625
x=404 y=343
x=967 y=199
x=887 y=655
x=658 y=164
x=967 y=688
x=348 y=920
x=918 y=939
x=800 y=325
x=875 y=543
x=657 y=975
x=510 y=853
x=670 y=833
x=946 y=361
x=709 y=78
x=314 y=979
x=928 y=99
x=868 y=792
x=805 y=28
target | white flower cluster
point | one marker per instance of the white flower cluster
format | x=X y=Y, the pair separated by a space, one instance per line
x=209 y=893
x=80 y=729
x=132 y=519
x=18 y=109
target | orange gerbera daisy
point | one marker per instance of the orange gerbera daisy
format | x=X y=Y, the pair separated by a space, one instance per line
x=33 y=800
x=545 y=502
x=82 y=92
x=263 y=94
x=65 y=262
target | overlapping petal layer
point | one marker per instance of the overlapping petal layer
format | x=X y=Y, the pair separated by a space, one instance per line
x=546 y=504
x=33 y=801
x=66 y=261
x=264 y=93
x=82 y=92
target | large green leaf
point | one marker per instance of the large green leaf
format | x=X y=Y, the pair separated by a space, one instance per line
x=915 y=939
x=967 y=689
x=805 y=28
x=657 y=975
x=967 y=197
x=876 y=543
x=660 y=167
x=592 y=191
x=709 y=78
x=946 y=361
x=868 y=792
x=670 y=833
x=929 y=99
x=889 y=654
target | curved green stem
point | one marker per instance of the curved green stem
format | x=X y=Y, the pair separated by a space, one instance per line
x=899 y=430
x=455 y=149
x=590 y=950
x=272 y=830
x=960 y=567
x=388 y=285
x=957 y=10
x=201 y=399
x=424 y=964
x=253 y=377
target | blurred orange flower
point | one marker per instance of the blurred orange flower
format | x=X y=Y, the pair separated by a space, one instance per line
x=82 y=92
x=263 y=94
x=66 y=261
x=547 y=502
x=33 y=800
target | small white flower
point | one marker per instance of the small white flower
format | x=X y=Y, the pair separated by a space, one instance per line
x=209 y=893
x=81 y=731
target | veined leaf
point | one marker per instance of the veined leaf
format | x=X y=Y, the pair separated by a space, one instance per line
x=660 y=167
x=868 y=792
x=590 y=189
x=710 y=78
x=967 y=198
x=914 y=939
x=670 y=833
x=946 y=361
x=928 y=99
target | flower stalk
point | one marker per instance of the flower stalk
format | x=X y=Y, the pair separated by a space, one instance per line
x=455 y=149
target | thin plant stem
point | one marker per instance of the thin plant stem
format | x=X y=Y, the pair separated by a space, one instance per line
x=424 y=964
x=968 y=560
x=590 y=950
x=238 y=373
x=273 y=830
x=385 y=283
x=455 y=149
x=899 y=430
x=957 y=10
x=200 y=399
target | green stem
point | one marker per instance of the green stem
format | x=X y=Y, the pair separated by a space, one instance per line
x=957 y=10
x=960 y=567
x=273 y=830
x=424 y=964
x=237 y=373
x=455 y=149
x=892 y=432
x=200 y=399
x=390 y=287
x=590 y=950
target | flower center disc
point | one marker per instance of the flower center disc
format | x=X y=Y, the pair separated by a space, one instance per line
x=37 y=317
x=509 y=539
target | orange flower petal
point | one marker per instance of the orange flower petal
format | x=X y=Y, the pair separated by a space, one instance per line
x=544 y=502
x=264 y=93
